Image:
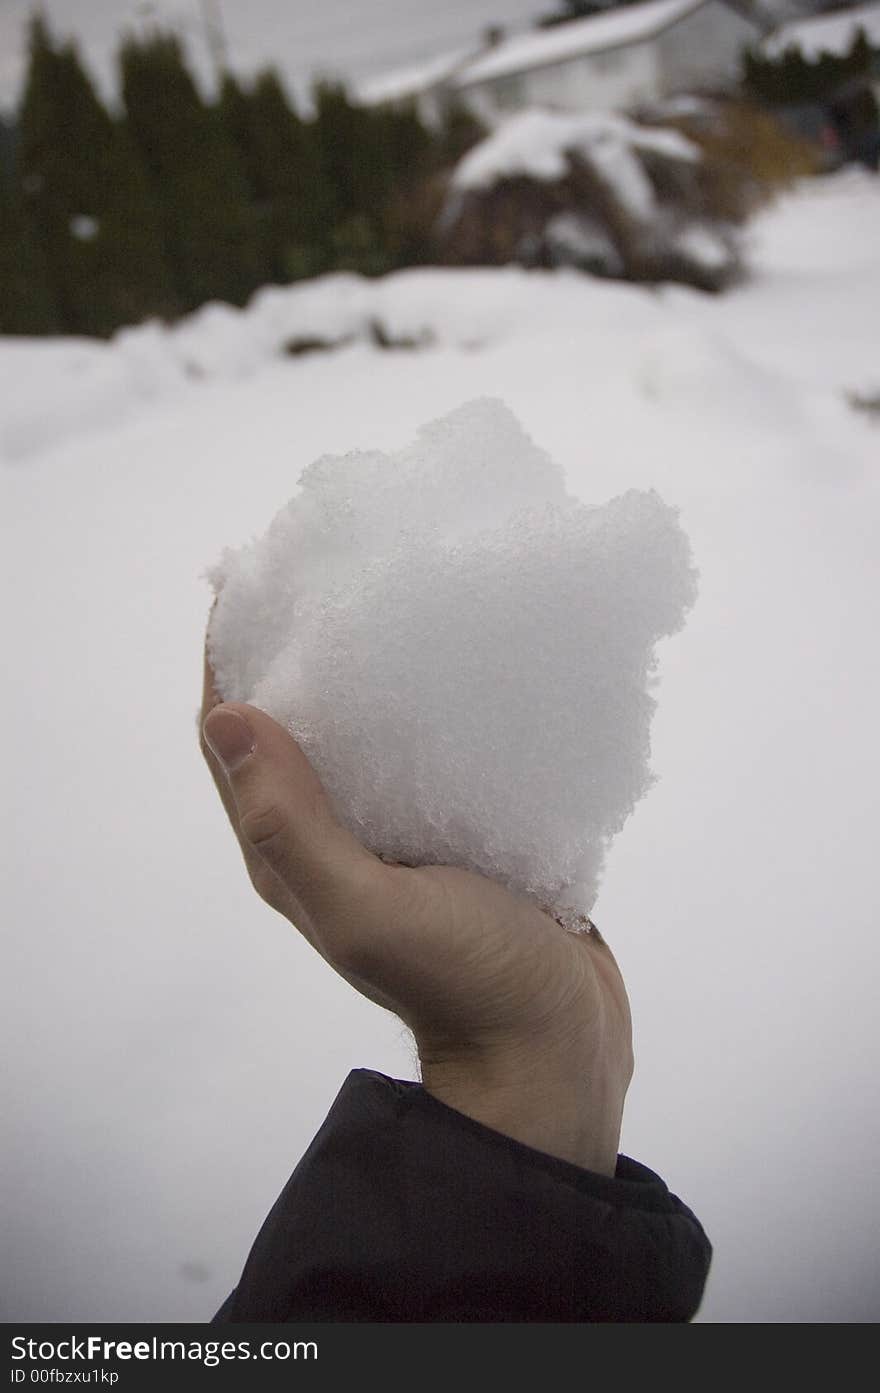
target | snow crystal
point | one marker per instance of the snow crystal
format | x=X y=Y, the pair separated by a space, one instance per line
x=463 y=649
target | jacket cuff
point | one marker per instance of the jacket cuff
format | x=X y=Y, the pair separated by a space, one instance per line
x=404 y=1209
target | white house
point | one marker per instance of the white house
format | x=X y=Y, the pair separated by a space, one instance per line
x=604 y=62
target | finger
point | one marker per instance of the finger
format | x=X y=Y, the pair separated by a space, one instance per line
x=265 y=882
x=210 y=699
x=286 y=818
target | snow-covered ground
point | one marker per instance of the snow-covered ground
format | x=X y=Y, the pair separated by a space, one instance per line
x=170 y=1044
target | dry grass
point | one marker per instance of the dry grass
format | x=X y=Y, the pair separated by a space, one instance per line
x=748 y=158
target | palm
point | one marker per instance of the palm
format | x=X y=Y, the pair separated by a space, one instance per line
x=490 y=985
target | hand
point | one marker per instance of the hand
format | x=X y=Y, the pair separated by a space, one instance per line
x=518 y=1023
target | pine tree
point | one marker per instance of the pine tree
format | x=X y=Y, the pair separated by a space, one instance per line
x=290 y=198
x=371 y=159
x=796 y=79
x=459 y=132
x=26 y=302
x=195 y=172
x=234 y=112
x=7 y=148
x=344 y=145
x=86 y=200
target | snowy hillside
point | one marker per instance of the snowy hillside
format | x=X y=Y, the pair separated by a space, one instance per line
x=171 y=1044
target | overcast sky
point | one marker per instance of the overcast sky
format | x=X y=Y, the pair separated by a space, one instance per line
x=354 y=38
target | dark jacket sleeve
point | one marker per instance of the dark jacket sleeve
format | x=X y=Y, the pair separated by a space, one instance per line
x=403 y=1209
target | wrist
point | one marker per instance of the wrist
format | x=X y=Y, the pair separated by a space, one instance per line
x=557 y=1109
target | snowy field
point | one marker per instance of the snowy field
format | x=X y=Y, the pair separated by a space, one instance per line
x=171 y=1045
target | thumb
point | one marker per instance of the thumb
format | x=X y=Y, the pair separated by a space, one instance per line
x=287 y=818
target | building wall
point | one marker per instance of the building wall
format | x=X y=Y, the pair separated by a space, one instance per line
x=591 y=82
x=703 y=49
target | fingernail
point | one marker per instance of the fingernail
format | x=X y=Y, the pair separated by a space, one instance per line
x=230 y=737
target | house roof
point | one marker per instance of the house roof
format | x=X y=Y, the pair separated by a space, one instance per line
x=543 y=47
x=830 y=33
x=407 y=82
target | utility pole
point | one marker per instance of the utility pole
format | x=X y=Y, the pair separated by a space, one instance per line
x=215 y=36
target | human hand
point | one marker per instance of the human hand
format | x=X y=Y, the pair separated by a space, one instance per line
x=518 y=1023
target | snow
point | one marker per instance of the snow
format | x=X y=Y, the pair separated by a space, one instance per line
x=534 y=144
x=414 y=80
x=703 y=245
x=154 y=1011
x=537 y=144
x=619 y=168
x=84 y=227
x=831 y=33
x=400 y=617
x=541 y=47
x=577 y=238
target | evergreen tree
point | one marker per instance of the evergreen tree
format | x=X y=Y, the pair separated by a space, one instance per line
x=794 y=79
x=372 y=159
x=26 y=303
x=343 y=137
x=196 y=175
x=459 y=132
x=233 y=111
x=292 y=203
x=7 y=148
x=86 y=202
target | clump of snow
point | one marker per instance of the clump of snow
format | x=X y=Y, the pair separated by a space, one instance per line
x=579 y=239
x=84 y=227
x=704 y=245
x=463 y=649
x=618 y=166
x=537 y=144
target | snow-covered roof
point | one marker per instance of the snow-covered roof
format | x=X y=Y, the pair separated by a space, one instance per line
x=542 y=47
x=831 y=33
x=411 y=81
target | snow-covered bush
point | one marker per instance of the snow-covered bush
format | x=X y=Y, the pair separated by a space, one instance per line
x=644 y=200
x=598 y=191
